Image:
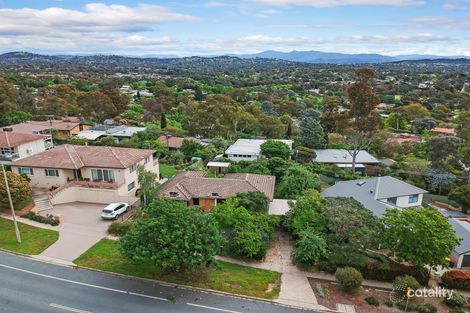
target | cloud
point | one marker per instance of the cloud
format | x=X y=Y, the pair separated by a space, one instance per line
x=334 y=3
x=413 y=38
x=95 y=17
x=454 y=7
x=437 y=22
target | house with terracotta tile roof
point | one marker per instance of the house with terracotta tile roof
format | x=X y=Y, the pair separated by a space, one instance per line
x=444 y=131
x=63 y=128
x=174 y=142
x=94 y=174
x=197 y=189
x=14 y=146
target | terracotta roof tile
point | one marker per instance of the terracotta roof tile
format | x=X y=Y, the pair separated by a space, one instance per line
x=75 y=157
x=188 y=185
x=14 y=139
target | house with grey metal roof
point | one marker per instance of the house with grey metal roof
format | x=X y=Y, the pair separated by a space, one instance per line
x=249 y=149
x=378 y=193
x=343 y=156
x=461 y=254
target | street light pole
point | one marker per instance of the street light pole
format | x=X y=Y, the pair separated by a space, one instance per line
x=17 y=230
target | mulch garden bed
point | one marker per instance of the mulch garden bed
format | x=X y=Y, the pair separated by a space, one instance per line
x=334 y=295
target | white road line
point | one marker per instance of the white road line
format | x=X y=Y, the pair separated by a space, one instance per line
x=82 y=284
x=66 y=308
x=211 y=308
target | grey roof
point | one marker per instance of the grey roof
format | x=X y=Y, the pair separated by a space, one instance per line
x=365 y=190
x=343 y=156
x=462 y=231
x=251 y=146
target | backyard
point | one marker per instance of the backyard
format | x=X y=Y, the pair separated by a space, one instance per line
x=166 y=170
x=224 y=276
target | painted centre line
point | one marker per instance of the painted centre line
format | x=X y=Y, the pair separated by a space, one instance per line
x=83 y=284
x=66 y=308
x=211 y=308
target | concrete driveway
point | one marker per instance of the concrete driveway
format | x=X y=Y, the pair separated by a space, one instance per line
x=80 y=228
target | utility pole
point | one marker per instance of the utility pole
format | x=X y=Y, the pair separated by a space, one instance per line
x=17 y=230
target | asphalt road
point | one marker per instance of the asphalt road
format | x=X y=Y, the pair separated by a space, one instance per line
x=27 y=285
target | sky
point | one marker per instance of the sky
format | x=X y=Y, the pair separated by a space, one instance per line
x=191 y=27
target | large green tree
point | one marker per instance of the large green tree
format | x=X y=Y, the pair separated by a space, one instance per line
x=296 y=180
x=311 y=134
x=362 y=121
x=422 y=237
x=275 y=148
x=173 y=236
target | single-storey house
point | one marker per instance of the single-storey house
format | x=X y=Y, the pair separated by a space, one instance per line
x=196 y=189
x=63 y=128
x=378 y=193
x=342 y=158
x=444 y=131
x=174 y=142
x=249 y=149
x=119 y=133
x=95 y=174
x=15 y=146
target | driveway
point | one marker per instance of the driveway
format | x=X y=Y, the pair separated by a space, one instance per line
x=80 y=228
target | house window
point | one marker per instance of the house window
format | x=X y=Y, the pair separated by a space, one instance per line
x=52 y=173
x=132 y=168
x=146 y=160
x=7 y=151
x=195 y=201
x=26 y=170
x=102 y=175
x=392 y=200
x=131 y=186
x=413 y=199
x=173 y=194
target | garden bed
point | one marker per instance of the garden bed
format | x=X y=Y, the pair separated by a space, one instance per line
x=333 y=295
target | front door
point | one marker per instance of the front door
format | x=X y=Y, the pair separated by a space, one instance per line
x=77 y=174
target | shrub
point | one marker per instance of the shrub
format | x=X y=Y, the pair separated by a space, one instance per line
x=458 y=310
x=426 y=308
x=389 y=303
x=403 y=283
x=19 y=188
x=49 y=219
x=455 y=300
x=457 y=279
x=349 y=278
x=119 y=228
x=372 y=300
x=309 y=248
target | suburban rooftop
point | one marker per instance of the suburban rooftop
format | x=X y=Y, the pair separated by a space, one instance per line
x=76 y=157
x=251 y=146
x=14 y=139
x=193 y=184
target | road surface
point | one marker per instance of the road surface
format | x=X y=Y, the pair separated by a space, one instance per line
x=27 y=285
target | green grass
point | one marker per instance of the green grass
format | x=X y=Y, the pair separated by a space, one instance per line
x=226 y=277
x=34 y=239
x=167 y=171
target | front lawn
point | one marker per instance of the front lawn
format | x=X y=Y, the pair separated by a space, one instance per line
x=166 y=170
x=226 y=277
x=34 y=240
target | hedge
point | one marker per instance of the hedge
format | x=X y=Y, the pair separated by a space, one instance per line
x=457 y=279
x=378 y=270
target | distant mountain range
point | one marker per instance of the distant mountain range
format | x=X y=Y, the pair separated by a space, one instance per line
x=258 y=59
x=341 y=58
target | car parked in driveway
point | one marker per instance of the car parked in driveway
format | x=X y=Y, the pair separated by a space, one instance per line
x=114 y=210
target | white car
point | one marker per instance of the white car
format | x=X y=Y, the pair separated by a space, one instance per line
x=114 y=210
